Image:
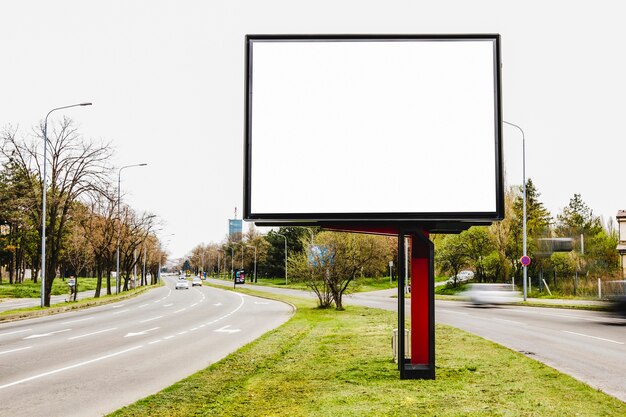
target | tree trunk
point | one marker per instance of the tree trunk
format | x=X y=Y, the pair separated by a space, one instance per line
x=98 y=282
x=108 y=282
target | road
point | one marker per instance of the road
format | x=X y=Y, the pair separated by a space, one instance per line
x=13 y=303
x=588 y=345
x=94 y=361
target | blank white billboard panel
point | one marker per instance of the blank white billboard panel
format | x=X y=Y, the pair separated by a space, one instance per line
x=373 y=129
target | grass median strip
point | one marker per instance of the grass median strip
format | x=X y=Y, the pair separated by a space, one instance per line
x=330 y=363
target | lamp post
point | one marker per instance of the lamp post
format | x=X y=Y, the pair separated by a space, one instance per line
x=43 y=200
x=523 y=202
x=285 y=237
x=253 y=247
x=119 y=227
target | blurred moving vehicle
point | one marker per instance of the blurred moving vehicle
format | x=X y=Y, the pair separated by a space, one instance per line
x=182 y=283
x=196 y=281
x=618 y=305
x=485 y=294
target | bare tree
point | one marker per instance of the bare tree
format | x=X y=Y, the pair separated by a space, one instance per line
x=78 y=167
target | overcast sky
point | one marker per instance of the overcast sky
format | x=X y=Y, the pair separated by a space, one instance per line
x=167 y=77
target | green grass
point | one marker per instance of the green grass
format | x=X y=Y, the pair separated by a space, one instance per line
x=29 y=289
x=330 y=363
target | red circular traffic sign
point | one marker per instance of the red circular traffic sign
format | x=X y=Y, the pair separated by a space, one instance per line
x=525 y=260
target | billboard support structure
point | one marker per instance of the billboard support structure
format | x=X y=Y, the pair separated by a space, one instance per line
x=340 y=98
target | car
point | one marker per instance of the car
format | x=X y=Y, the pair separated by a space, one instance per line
x=196 y=281
x=485 y=294
x=182 y=283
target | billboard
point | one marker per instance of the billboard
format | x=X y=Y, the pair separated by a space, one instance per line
x=373 y=128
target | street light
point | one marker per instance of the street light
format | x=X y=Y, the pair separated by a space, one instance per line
x=285 y=237
x=119 y=228
x=523 y=201
x=43 y=199
x=253 y=247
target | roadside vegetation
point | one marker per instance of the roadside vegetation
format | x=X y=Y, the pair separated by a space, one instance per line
x=85 y=218
x=31 y=289
x=325 y=362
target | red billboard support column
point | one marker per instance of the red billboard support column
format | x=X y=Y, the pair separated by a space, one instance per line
x=421 y=333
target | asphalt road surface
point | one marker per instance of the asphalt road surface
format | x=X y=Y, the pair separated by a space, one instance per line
x=11 y=304
x=588 y=345
x=94 y=361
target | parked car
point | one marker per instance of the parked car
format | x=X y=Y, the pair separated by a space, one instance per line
x=182 y=283
x=196 y=281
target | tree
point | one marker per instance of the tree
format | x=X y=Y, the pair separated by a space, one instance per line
x=77 y=167
x=500 y=233
x=101 y=232
x=337 y=262
x=478 y=244
x=77 y=251
x=451 y=256
x=538 y=220
x=577 y=218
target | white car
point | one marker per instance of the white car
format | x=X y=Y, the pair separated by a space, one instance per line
x=196 y=281
x=483 y=294
x=182 y=283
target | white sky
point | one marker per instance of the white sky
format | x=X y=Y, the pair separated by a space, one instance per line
x=166 y=79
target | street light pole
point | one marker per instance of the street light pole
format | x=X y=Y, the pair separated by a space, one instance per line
x=119 y=227
x=523 y=203
x=43 y=200
x=285 y=237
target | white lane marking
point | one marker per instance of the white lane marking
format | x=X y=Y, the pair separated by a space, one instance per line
x=14 y=332
x=56 y=371
x=567 y=316
x=453 y=312
x=35 y=336
x=193 y=329
x=150 y=319
x=218 y=304
x=154 y=341
x=76 y=321
x=15 y=350
x=194 y=304
x=594 y=337
x=168 y=305
x=131 y=334
x=183 y=332
x=167 y=337
x=118 y=306
x=144 y=305
x=226 y=329
x=92 y=333
x=182 y=309
x=121 y=311
x=509 y=321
